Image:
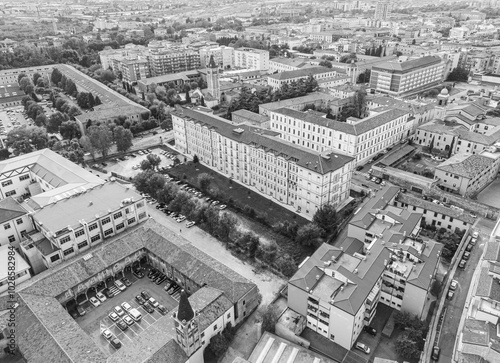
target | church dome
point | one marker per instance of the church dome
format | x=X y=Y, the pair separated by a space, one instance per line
x=444 y=92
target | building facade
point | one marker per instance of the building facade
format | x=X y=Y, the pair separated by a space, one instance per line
x=167 y=58
x=406 y=78
x=288 y=173
x=250 y=58
x=360 y=139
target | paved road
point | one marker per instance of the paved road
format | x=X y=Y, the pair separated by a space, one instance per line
x=269 y=284
x=456 y=306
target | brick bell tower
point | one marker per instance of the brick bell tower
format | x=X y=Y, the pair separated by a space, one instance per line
x=186 y=326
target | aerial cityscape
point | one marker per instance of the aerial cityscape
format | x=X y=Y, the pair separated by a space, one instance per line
x=249 y=182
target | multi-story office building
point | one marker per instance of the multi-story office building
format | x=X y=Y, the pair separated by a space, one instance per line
x=167 y=58
x=338 y=289
x=67 y=227
x=288 y=173
x=360 y=139
x=132 y=70
x=251 y=58
x=383 y=9
x=407 y=78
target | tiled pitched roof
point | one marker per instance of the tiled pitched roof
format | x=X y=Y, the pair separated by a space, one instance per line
x=358 y=128
x=267 y=140
x=468 y=166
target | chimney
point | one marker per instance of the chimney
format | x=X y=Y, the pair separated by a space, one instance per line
x=90 y=203
x=317 y=277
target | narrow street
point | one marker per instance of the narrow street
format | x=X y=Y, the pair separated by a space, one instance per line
x=456 y=306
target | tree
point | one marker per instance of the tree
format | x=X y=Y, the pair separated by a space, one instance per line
x=123 y=138
x=204 y=181
x=286 y=265
x=41 y=119
x=360 y=103
x=21 y=76
x=101 y=138
x=269 y=319
x=326 y=218
x=87 y=146
x=431 y=145
x=36 y=77
x=26 y=139
x=154 y=160
x=309 y=235
x=195 y=159
x=326 y=64
x=226 y=226
x=55 y=120
x=364 y=77
x=406 y=347
x=459 y=74
x=70 y=130
x=218 y=345
x=146 y=165
x=4 y=154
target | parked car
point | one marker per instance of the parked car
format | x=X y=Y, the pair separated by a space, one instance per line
x=126 y=306
x=126 y=282
x=113 y=316
x=137 y=273
x=453 y=285
x=473 y=241
x=108 y=293
x=466 y=255
x=81 y=311
x=107 y=334
x=118 y=310
x=469 y=247
x=222 y=206
x=450 y=294
x=435 y=352
x=122 y=325
x=362 y=347
x=370 y=330
x=115 y=343
x=128 y=320
x=167 y=286
x=120 y=285
x=189 y=224
x=148 y=307
x=153 y=302
x=359 y=168
x=162 y=310
x=180 y=219
x=152 y=272
x=101 y=297
x=140 y=300
x=145 y=295
x=462 y=264
x=475 y=234
x=95 y=302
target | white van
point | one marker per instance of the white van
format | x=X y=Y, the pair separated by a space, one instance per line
x=135 y=314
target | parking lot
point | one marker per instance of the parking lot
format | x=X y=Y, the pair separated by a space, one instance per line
x=130 y=166
x=96 y=318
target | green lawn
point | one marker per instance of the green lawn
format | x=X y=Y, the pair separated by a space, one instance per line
x=241 y=196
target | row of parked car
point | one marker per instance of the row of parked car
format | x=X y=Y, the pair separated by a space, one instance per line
x=468 y=249
x=158 y=278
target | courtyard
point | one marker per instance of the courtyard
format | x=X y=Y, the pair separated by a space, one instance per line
x=424 y=166
x=97 y=317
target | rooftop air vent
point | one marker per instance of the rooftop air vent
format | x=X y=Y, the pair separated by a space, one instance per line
x=238 y=131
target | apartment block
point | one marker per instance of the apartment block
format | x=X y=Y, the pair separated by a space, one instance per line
x=407 y=78
x=288 y=173
x=67 y=227
x=9 y=76
x=250 y=58
x=129 y=51
x=21 y=270
x=132 y=70
x=359 y=138
x=169 y=58
x=338 y=289
x=223 y=56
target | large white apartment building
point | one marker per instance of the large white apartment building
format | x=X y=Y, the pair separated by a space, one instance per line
x=407 y=78
x=167 y=58
x=338 y=289
x=290 y=174
x=360 y=139
x=250 y=58
x=129 y=51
